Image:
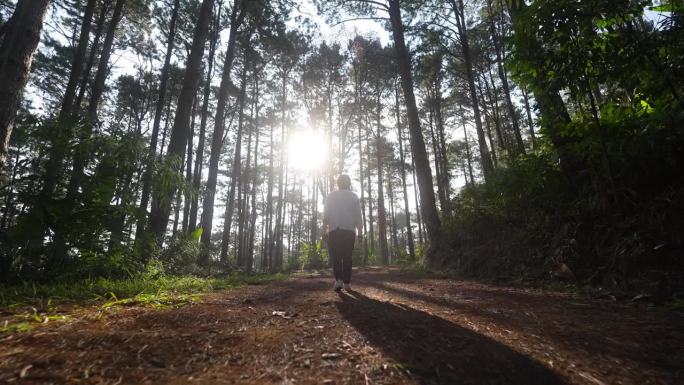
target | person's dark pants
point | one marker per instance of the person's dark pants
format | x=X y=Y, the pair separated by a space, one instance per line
x=340 y=248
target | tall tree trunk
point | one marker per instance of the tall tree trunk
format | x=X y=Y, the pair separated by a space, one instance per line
x=236 y=18
x=468 y=155
x=485 y=157
x=58 y=150
x=235 y=171
x=520 y=146
x=78 y=61
x=421 y=229
x=357 y=109
x=276 y=246
x=441 y=146
x=393 y=221
x=188 y=168
x=488 y=124
x=8 y=210
x=438 y=169
x=255 y=174
x=379 y=158
x=19 y=40
x=530 y=122
x=424 y=174
x=92 y=55
x=161 y=201
x=492 y=93
x=199 y=158
x=243 y=217
x=363 y=199
x=280 y=233
x=371 y=238
x=313 y=231
x=83 y=148
x=382 y=214
x=266 y=240
x=291 y=225
x=329 y=141
x=407 y=210
x=176 y=212
x=167 y=120
x=159 y=111
x=237 y=248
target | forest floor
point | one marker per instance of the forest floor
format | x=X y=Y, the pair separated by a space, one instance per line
x=397 y=327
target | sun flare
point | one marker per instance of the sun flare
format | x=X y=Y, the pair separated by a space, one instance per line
x=306 y=151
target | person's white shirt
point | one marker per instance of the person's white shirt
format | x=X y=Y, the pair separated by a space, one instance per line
x=342 y=211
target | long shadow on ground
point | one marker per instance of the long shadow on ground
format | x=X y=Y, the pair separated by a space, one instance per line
x=435 y=351
x=590 y=328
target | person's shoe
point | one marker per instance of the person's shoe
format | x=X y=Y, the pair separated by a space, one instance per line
x=347 y=287
x=338 y=286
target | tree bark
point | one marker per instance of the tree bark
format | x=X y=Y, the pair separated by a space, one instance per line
x=55 y=160
x=244 y=183
x=235 y=172
x=421 y=229
x=486 y=159
x=19 y=41
x=266 y=240
x=83 y=148
x=92 y=55
x=393 y=219
x=217 y=139
x=379 y=158
x=492 y=93
x=438 y=169
x=407 y=210
x=159 y=111
x=161 y=202
x=530 y=122
x=78 y=61
x=520 y=146
x=188 y=168
x=371 y=237
x=444 y=177
x=363 y=199
x=199 y=157
x=488 y=124
x=424 y=174
x=468 y=155
x=255 y=175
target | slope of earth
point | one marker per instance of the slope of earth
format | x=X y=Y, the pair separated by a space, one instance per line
x=395 y=328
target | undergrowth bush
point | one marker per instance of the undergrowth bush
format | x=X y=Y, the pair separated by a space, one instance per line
x=152 y=281
x=530 y=220
x=313 y=256
x=528 y=190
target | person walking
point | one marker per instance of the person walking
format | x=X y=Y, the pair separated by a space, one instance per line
x=341 y=218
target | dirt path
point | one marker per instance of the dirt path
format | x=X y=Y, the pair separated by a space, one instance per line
x=395 y=329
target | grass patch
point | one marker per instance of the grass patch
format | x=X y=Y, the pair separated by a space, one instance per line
x=161 y=291
x=157 y=301
x=20 y=327
x=420 y=271
x=676 y=305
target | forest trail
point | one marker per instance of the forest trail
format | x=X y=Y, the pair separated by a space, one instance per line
x=396 y=328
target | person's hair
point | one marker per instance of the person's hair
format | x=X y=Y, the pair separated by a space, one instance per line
x=344 y=182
